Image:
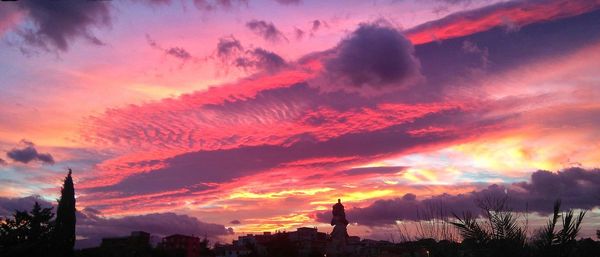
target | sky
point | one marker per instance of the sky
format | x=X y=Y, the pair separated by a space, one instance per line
x=226 y=117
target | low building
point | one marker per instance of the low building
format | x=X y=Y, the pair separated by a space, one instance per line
x=231 y=251
x=181 y=245
x=308 y=241
x=137 y=244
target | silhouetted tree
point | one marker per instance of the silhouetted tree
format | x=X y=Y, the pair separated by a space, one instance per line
x=204 y=249
x=41 y=226
x=498 y=234
x=27 y=233
x=65 y=219
x=553 y=242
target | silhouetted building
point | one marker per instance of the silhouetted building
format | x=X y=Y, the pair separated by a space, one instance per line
x=302 y=242
x=308 y=241
x=181 y=245
x=135 y=245
x=232 y=251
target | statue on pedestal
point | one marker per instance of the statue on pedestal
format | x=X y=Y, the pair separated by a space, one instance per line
x=339 y=235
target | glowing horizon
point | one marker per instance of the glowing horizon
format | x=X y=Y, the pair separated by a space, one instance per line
x=252 y=116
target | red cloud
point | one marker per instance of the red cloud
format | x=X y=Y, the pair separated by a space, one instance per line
x=513 y=14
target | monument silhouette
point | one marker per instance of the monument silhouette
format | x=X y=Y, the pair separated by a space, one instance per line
x=339 y=235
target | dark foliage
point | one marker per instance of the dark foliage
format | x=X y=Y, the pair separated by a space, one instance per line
x=552 y=242
x=27 y=233
x=65 y=219
x=501 y=234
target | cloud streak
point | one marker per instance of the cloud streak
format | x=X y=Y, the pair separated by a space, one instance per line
x=177 y=52
x=511 y=15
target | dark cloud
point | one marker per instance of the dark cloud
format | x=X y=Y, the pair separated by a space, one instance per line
x=9 y=205
x=231 y=51
x=260 y=59
x=92 y=226
x=210 y=5
x=288 y=2
x=28 y=153
x=177 y=52
x=448 y=64
x=375 y=55
x=316 y=24
x=57 y=23
x=373 y=170
x=472 y=48
x=576 y=187
x=155 y=2
x=299 y=33
x=228 y=47
x=267 y=30
x=441 y=64
x=465 y=2
x=235 y=222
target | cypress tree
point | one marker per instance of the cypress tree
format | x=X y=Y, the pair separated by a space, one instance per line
x=65 y=219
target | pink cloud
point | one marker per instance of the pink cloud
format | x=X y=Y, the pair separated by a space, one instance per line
x=511 y=14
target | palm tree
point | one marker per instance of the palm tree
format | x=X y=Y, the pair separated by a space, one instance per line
x=551 y=242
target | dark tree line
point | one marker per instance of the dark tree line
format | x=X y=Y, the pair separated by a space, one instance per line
x=35 y=233
x=500 y=233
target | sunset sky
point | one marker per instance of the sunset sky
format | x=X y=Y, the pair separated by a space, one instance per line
x=221 y=117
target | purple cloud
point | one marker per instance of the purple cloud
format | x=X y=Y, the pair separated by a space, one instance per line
x=288 y=2
x=576 y=187
x=267 y=30
x=196 y=170
x=9 y=205
x=231 y=51
x=228 y=46
x=210 y=5
x=299 y=33
x=375 y=55
x=92 y=226
x=28 y=153
x=316 y=24
x=261 y=59
x=56 y=23
x=177 y=52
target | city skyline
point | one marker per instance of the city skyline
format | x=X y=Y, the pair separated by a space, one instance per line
x=249 y=116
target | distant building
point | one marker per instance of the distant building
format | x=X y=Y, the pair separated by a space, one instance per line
x=135 y=245
x=181 y=245
x=232 y=251
x=308 y=241
x=304 y=242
